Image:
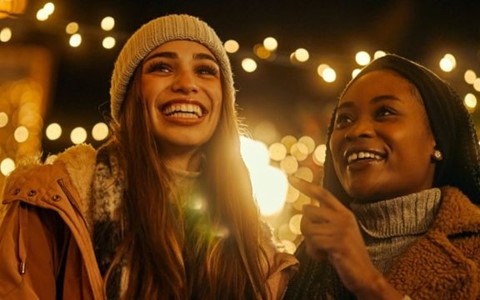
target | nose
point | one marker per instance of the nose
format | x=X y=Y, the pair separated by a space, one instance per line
x=185 y=82
x=360 y=128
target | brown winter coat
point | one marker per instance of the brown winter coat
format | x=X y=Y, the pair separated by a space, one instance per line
x=444 y=264
x=45 y=238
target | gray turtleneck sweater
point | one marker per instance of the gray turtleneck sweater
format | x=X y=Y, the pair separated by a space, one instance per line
x=389 y=227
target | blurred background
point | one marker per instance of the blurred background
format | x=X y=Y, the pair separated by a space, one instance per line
x=291 y=60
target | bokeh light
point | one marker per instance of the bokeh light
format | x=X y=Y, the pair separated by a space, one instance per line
x=78 y=135
x=107 y=23
x=231 y=46
x=7 y=166
x=53 y=131
x=249 y=65
x=100 y=131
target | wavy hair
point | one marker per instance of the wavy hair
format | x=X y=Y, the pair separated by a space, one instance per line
x=168 y=256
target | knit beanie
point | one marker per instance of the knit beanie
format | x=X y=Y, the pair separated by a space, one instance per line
x=155 y=33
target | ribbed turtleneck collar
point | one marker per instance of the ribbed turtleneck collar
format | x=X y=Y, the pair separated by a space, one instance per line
x=406 y=215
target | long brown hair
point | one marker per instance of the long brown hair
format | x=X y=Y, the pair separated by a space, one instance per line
x=166 y=257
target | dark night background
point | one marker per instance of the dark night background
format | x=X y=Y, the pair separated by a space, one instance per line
x=290 y=96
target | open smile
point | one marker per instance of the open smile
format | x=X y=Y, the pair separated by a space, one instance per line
x=190 y=110
x=357 y=156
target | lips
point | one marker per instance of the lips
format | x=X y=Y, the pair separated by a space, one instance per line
x=184 y=109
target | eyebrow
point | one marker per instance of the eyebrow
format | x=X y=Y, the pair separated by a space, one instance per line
x=173 y=55
x=377 y=99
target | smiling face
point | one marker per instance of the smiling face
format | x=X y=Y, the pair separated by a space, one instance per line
x=180 y=81
x=381 y=143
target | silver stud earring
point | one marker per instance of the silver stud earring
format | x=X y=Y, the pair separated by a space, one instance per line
x=437 y=155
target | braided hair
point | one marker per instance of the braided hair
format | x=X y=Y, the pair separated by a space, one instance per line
x=451 y=124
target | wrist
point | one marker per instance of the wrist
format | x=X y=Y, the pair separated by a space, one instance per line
x=378 y=288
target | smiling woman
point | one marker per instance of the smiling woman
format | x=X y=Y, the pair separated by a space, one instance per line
x=397 y=216
x=163 y=210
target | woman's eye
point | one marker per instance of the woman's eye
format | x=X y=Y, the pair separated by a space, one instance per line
x=342 y=120
x=207 y=70
x=384 y=112
x=158 y=67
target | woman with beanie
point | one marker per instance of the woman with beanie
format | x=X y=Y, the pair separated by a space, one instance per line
x=397 y=215
x=164 y=210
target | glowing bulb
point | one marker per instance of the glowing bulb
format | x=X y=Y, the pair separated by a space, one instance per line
x=231 y=46
x=53 y=131
x=249 y=65
x=362 y=58
x=78 y=135
x=75 y=40
x=270 y=43
x=107 y=23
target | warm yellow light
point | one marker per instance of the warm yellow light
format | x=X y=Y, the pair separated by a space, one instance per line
x=49 y=8
x=277 y=151
x=7 y=166
x=269 y=184
x=5 y=34
x=3 y=119
x=107 y=23
x=302 y=55
x=321 y=68
x=294 y=223
x=231 y=46
x=78 y=135
x=108 y=42
x=284 y=233
x=53 y=131
x=309 y=142
x=75 y=40
x=270 y=189
x=42 y=15
x=378 y=54
x=448 y=63
x=362 y=58
x=100 y=131
x=299 y=151
x=470 y=76
x=304 y=173
x=21 y=134
x=270 y=43
x=476 y=84
x=292 y=194
x=470 y=101
x=329 y=75
x=288 y=141
x=355 y=73
x=72 y=28
x=319 y=154
x=289 y=164
x=261 y=52
x=249 y=65
x=254 y=153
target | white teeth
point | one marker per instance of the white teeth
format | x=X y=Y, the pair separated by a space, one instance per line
x=183 y=110
x=363 y=155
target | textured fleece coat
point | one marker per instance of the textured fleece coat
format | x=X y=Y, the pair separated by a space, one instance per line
x=442 y=264
x=46 y=251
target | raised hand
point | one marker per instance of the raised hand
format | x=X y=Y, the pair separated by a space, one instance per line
x=331 y=231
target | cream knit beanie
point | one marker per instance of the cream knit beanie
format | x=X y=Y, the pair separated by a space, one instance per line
x=155 y=33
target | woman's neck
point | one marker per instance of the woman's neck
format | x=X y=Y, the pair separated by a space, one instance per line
x=187 y=161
